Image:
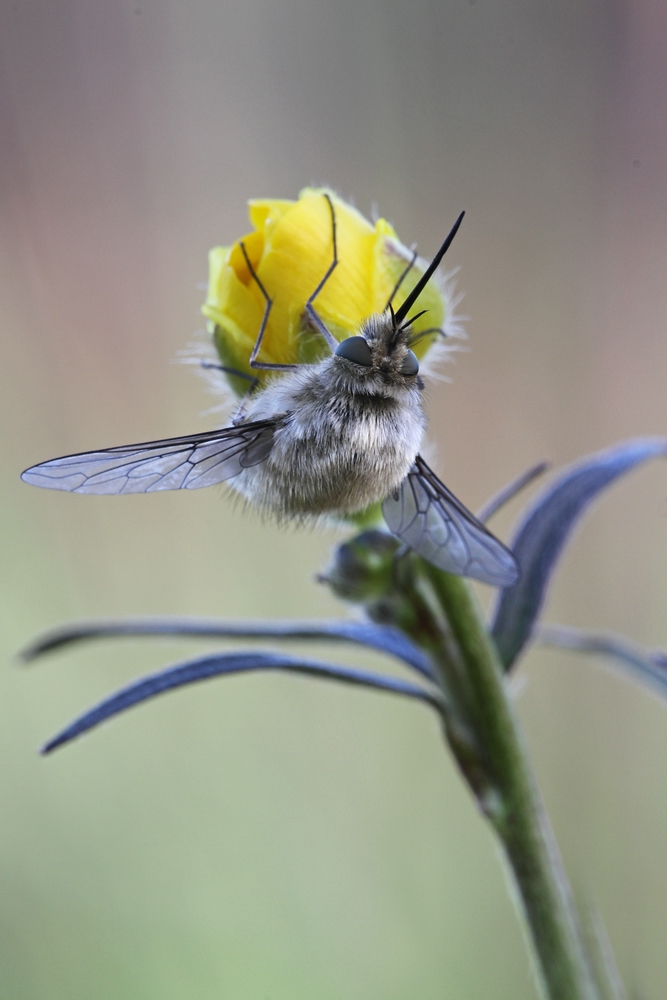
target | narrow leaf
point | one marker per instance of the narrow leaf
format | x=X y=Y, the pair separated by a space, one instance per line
x=382 y=638
x=544 y=530
x=508 y=492
x=651 y=668
x=225 y=664
x=600 y=953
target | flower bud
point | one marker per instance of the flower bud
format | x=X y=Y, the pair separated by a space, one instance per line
x=362 y=570
x=290 y=250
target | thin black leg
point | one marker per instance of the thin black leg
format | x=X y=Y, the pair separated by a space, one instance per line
x=254 y=381
x=254 y=363
x=402 y=278
x=425 y=333
x=239 y=413
x=316 y=320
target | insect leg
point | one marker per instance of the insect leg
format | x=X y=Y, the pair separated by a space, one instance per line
x=402 y=278
x=254 y=363
x=316 y=320
x=233 y=371
x=427 y=333
x=239 y=413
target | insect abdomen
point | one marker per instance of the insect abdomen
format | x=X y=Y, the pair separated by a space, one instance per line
x=335 y=457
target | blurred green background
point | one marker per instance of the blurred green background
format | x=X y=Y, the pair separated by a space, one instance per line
x=270 y=837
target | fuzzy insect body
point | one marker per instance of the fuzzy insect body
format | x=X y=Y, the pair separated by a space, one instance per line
x=331 y=438
x=346 y=435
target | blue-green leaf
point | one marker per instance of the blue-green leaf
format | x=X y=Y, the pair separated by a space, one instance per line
x=508 y=492
x=544 y=530
x=380 y=637
x=222 y=664
x=649 y=667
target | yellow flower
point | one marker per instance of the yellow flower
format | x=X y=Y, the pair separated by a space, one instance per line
x=290 y=250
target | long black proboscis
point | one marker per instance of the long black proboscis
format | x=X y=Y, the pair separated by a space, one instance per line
x=405 y=308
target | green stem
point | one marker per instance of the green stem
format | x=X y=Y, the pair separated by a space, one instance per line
x=512 y=801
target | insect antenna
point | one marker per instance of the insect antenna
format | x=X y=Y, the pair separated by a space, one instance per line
x=405 y=308
x=397 y=330
x=413 y=319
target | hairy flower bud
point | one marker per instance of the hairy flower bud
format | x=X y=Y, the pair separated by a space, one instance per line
x=290 y=250
x=362 y=569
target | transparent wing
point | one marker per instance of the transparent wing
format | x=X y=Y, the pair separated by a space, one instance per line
x=173 y=464
x=427 y=517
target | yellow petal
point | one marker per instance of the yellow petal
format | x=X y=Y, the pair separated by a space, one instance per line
x=264 y=213
x=291 y=250
x=253 y=244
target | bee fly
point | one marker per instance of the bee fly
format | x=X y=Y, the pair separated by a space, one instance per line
x=329 y=438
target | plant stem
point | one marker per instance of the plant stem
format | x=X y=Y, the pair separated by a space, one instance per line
x=512 y=801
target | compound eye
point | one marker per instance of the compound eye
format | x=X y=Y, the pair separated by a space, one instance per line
x=355 y=349
x=410 y=364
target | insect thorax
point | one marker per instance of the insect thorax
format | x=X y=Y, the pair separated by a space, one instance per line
x=341 y=446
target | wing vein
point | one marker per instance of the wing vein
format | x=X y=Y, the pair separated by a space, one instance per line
x=189 y=462
x=434 y=523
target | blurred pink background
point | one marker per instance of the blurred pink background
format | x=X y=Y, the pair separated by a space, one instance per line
x=267 y=836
